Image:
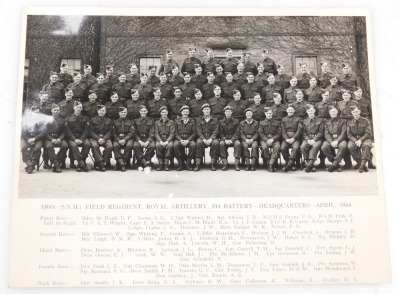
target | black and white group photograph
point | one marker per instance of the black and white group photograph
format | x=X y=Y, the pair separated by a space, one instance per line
x=196 y=106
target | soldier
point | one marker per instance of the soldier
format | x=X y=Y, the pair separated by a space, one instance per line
x=258 y=108
x=112 y=107
x=278 y=109
x=229 y=134
x=323 y=107
x=165 y=88
x=175 y=79
x=261 y=78
x=303 y=79
x=189 y=63
x=167 y=65
x=228 y=86
x=133 y=105
x=313 y=93
x=100 y=134
x=335 y=91
x=67 y=105
x=313 y=135
x=76 y=132
x=270 y=133
x=144 y=88
x=90 y=107
x=240 y=77
x=345 y=107
x=144 y=138
x=110 y=79
x=269 y=64
x=207 y=128
x=196 y=104
x=55 y=137
x=198 y=79
x=164 y=133
x=123 y=134
x=359 y=136
x=300 y=106
x=155 y=104
x=267 y=93
x=289 y=94
x=238 y=105
x=363 y=104
x=282 y=80
x=325 y=76
x=208 y=63
x=248 y=65
x=335 y=138
x=347 y=80
x=219 y=75
x=54 y=89
x=87 y=77
x=291 y=136
x=185 y=135
x=250 y=88
x=229 y=63
x=249 y=137
x=44 y=103
x=101 y=89
x=79 y=88
x=208 y=88
x=176 y=103
x=217 y=103
x=153 y=80
x=187 y=87
x=123 y=89
x=31 y=139
x=133 y=77
x=64 y=77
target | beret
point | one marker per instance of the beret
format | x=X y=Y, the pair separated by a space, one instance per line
x=184 y=107
x=205 y=105
x=162 y=108
x=248 y=109
x=227 y=108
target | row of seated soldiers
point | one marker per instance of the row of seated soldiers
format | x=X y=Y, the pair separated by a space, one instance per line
x=171 y=137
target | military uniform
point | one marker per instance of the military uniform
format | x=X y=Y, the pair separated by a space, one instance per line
x=248 y=92
x=166 y=90
x=154 y=107
x=335 y=130
x=176 y=81
x=89 y=80
x=164 y=131
x=208 y=90
x=269 y=66
x=208 y=64
x=45 y=107
x=270 y=129
x=66 y=108
x=250 y=67
x=188 y=91
x=31 y=152
x=348 y=81
x=188 y=65
x=313 y=95
x=207 y=130
x=261 y=80
x=227 y=89
x=335 y=93
x=345 y=109
x=240 y=79
x=300 y=109
x=123 y=129
x=80 y=91
x=303 y=81
x=145 y=132
x=323 y=79
x=133 y=107
x=101 y=127
x=110 y=80
x=167 y=66
x=123 y=90
x=55 y=130
x=365 y=107
x=102 y=92
x=291 y=128
x=113 y=109
x=289 y=95
x=199 y=80
x=238 y=108
x=230 y=65
x=217 y=105
x=258 y=111
x=323 y=109
x=133 y=79
x=279 y=111
x=267 y=94
x=185 y=130
x=174 y=106
x=313 y=129
x=56 y=91
x=153 y=80
x=230 y=130
x=90 y=109
x=195 y=107
x=249 y=131
x=219 y=79
x=65 y=79
x=77 y=127
x=359 y=129
x=145 y=91
x=282 y=81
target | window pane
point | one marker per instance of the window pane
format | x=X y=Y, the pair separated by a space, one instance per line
x=311 y=62
x=145 y=62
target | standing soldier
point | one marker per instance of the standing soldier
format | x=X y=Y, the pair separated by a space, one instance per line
x=67 y=105
x=267 y=93
x=207 y=128
x=261 y=78
x=291 y=136
x=313 y=135
x=198 y=79
x=55 y=137
x=346 y=105
x=335 y=91
x=289 y=95
x=100 y=134
x=359 y=136
x=44 y=103
x=152 y=78
x=313 y=93
x=229 y=134
x=196 y=104
x=79 y=88
x=155 y=104
x=64 y=77
x=250 y=88
x=363 y=104
x=31 y=139
x=219 y=75
x=189 y=63
x=282 y=80
x=101 y=89
x=164 y=133
x=208 y=88
x=112 y=107
x=249 y=137
x=110 y=79
x=168 y=64
x=133 y=105
x=185 y=134
x=268 y=63
x=144 y=138
x=144 y=88
x=278 y=109
x=176 y=103
x=303 y=79
x=187 y=87
x=270 y=133
x=335 y=138
x=90 y=107
x=248 y=65
x=229 y=63
x=300 y=106
x=237 y=105
x=133 y=78
x=347 y=80
x=175 y=79
x=325 y=76
x=228 y=86
x=209 y=62
x=123 y=89
x=217 y=103
x=258 y=108
x=165 y=88
x=240 y=77
x=123 y=134
x=323 y=107
x=76 y=132
x=87 y=77
x=54 y=89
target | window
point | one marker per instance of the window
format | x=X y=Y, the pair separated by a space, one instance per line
x=220 y=53
x=311 y=62
x=145 y=62
x=26 y=74
x=74 y=64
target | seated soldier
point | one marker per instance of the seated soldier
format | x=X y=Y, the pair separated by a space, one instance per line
x=270 y=133
x=207 y=132
x=335 y=138
x=249 y=137
x=229 y=134
x=123 y=134
x=313 y=136
x=291 y=137
x=196 y=104
x=100 y=134
x=90 y=107
x=164 y=133
x=144 y=138
x=238 y=105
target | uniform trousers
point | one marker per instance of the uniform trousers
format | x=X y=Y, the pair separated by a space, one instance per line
x=164 y=152
x=128 y=147
x=285 y=146
x=142 y=154
x=62 y=153
x=253 y=153
x=223 y=149
x=31 y=153
x=179 y=151
x=276 y=147
x=74 y=148
x=329 y=151
x=360 y=153
x=310 y=152
x=214 y=148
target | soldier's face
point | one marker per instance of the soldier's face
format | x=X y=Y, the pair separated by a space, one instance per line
x=217 y=91
x=177 y=93
x=198 y=95
x=210 y=53
x=278 y=99
x=54 y=78
x=175 y=71
x=135 y=95
x=257 y=99
x=77 y=78
x=100 y=79
x=346 y=97
x=78 y=109
x=260 y=68
x=44 y=98
x=123 y=113
x=346 y=70
x=303 y=68
x=229 y=54
x=157 y=95
x=143 y=79
x=63 y=69
x=268 y=114
x=143 y=112
x=210 y=78
x=87 y=70
x=164 y=113
x=192 y=53
x=228 y=113
x=237 y=96
x=206 y=111
x=247 y=58
x=250 y=79
x=152 y=71
x=333 y=112
x=299 y=96
x=358 y=94
x=249 y=115
x=271 y=80
x=163 y=79
x=265 y=54
x=92 y=97
x=293 y=82
x=311 y=112
x=240 y=67
x=313 y=82
x=281 y=70
x=122 y=78
x=198 y=70
x=333 y=81
x=109 y=71
x=101 y=111
x=134 y=69
x=169 y=56
x=69 y=95
x=185 y=113
x=55 y=111
x=290 y=111
x=229 y=78
x=325 y=96
x=187 y=78
x=219 y=70
x=324 y=67
x=356 y=113
x=114 y=98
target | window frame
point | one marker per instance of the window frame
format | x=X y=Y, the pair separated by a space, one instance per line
x=70 y=69
x=306 y=55
x=148 y=56
x=220 y=53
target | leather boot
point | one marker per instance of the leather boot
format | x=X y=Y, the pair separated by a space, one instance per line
x=288 y=166
x=197 y=167
x=253 y=164
x=213 y=164
x=189 y=164
x=332 y=167
x=167 y=164
x=371 y=165
x=63 y=165
x=247 y=163
x=101 y=166
x=56 y=167
x=237 y=164
x=271 y=167
x=46 y=164
x=160 y=164
x=72 y=164
x=309 y=166
x=224 y=164
x=30 y=168
x=82 y=166
x=121 y=164
x=363 y=166
x=180 y=165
